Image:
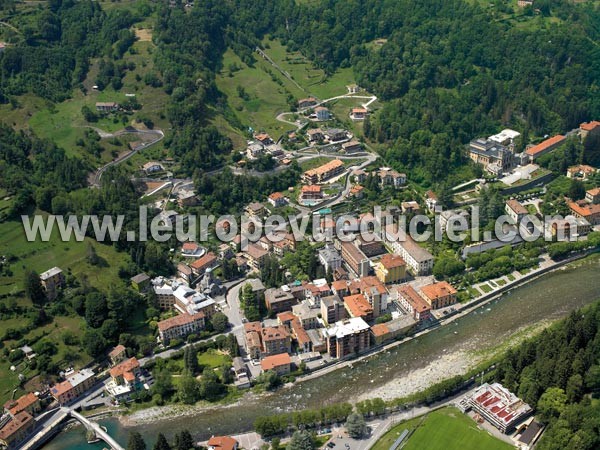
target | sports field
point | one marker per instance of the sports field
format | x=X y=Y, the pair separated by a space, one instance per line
x=444 y=429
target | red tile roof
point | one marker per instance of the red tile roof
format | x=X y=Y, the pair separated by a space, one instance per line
x=437 y=290
x=14 y=407
x=222 y=442
x=271 y=362
x=179 y=320
x=358 y=305
x=589 y=126
x=532 y=151
x=204 y=262
x=127 y=366
x=390 y=261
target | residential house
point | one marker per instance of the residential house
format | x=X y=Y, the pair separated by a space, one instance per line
x=593 y=196
x=280 y=364
x=275 y=340
x=410 y=207
x=252 y=337
x=256 y=255
x=311 y=192
x=351 y=146
x=184 y=271
x=348 y=337
x=152 y=166
x=75 y=384
x=240 y=372
x=29 y=403
x=181 y=326
x=330 y=258
x=383 y=332
x=336 y=134
x=258 y=288
x=192 y=249
x=359 y=175
x=358 y=113
x=581 y=172
x=355 y=259
x=304 y=103
x=315 y=135
x=431 y=200
x=587 y=128
x=106 y=107
x=391 y=268
x=117 y=354
x=186 y=199
x=589 y=208
x=324 y=172
x=164 y=295
x=52 y=281
x=278 y=300
x=458 y=218
x=515 y=210
x=439 y=295
x=570 y=227
x=308 y=317
x=277 y=199
x=411 y=302
x=264 y=139
x=544 y=147
x=16 y=430
x=322 y=113
x=222 y=443
x=357 y=191
x=332 y=309
x=125 y=379
x=255 y=209
x=358 y=306
x=254 y=150
x=140 y=282
x=201 y=265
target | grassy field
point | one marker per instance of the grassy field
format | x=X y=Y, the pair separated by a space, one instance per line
x=213 y=359
x=63 y=123
x=444 y=429
x=301 y=69
x=41 y=256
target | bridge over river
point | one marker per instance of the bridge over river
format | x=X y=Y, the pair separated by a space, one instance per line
x=52 y=425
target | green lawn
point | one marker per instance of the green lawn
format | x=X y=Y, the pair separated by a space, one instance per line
x=69 y=256
x=510 y=277
x=485 y=288
x=444 y=429
x=213 y=359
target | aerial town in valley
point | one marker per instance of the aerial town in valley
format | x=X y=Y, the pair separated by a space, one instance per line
x=433 y=283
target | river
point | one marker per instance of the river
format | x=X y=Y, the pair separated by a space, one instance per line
x=545 y=299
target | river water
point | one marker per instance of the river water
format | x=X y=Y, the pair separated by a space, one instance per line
x=548 y=298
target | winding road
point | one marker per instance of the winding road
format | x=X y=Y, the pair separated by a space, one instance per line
x=156 y=136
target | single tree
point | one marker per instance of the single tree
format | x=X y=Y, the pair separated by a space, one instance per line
x=301 y=440
x=219 y=322
x=356 y=426
x=161 y=443
x=184 y=441
x=33 y=288
x=136 y=442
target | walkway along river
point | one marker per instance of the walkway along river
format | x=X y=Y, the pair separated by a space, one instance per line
x=389 y=374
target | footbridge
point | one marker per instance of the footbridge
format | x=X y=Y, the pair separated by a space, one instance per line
x=95 y=428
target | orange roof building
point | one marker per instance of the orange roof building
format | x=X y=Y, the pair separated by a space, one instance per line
x=125 y=371
x=439 y=295
x=280 y=363
x=222 y=443
x=324 y=172
x=358 y=306
x=546 y=146
x=28 y=402
x=207 y=261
